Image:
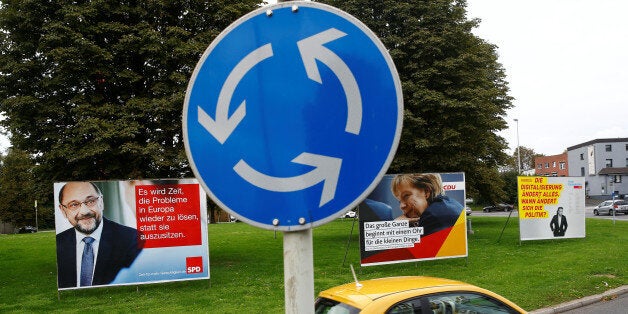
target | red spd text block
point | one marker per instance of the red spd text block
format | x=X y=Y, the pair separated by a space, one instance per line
x=168 y=215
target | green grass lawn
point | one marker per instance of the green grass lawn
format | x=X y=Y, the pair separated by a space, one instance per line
x=246 y=269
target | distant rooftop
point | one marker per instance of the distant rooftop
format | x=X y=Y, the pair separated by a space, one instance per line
x=616 y=171
x=599 y=140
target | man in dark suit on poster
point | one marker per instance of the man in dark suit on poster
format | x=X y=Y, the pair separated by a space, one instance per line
x=95 y=249
x=558 y=224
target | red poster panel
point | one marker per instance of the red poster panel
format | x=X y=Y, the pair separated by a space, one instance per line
x=168 y=215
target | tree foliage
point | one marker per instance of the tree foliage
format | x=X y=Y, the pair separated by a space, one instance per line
x=94 y=89
x=455 y=93
x=17 y=199
x=510 y=186
x=526 y=155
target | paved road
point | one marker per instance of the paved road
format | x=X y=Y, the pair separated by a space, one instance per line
x=588 y=214
x=614 y=301
x=617 y=305
x=617 y=217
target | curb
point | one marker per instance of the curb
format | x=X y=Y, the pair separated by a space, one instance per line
x=563 y=307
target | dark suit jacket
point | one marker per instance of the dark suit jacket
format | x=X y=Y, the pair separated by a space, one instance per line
x=375 y=211
x=441 y=214
x=118 y=249
x=559 y=231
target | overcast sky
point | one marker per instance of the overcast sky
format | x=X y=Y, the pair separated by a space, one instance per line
x=566 y=62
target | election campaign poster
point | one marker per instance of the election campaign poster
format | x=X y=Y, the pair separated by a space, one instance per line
x=551 y=207
x=412 y=217
x=130 y=232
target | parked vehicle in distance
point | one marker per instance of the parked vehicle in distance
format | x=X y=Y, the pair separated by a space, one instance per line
x=501 y=207
x=27 y=229
x=349 y=214
x=412 y=294
x=468 y=210
x=611 y=206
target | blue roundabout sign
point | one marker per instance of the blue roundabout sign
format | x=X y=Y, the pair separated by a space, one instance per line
x=292 y=115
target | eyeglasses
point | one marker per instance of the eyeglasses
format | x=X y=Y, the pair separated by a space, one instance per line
x=90 y=202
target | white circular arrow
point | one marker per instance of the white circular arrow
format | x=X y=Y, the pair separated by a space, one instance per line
x=325 y=169
x=312 y=49
x=224 y=125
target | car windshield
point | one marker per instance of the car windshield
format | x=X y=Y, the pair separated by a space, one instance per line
x=327 y=306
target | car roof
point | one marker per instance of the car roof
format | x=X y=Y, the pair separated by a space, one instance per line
x=403 y=287
x=613 y=201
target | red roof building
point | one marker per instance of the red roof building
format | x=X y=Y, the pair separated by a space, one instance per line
x=551 y=166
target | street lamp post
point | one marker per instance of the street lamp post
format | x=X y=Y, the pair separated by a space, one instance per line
x=518 y=149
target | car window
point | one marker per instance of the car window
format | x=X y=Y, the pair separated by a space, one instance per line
x=327 y=306
x=409 y=306
x=403 y=308
x=466 y=302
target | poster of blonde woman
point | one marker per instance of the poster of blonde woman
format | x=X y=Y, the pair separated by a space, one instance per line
x=411 y=217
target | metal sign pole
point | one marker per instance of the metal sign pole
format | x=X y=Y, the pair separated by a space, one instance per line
x=36 y=222
x=613 y=206
x=298 y=259
x=298 y=269
x=362 y=84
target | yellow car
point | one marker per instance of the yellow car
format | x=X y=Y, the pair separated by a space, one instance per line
x=412 y=294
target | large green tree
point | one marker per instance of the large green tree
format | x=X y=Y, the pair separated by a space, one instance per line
x=455 y=91
x=95 y=89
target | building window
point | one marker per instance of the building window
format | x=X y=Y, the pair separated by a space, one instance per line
x=554 y=174
x=626 y=162
x=608 y=147
x=582 y=156
x=554 y=164
x=582 y=171
x=547 y=165
x=561 y=164
x=609 y=163
x=540 y=166
x=626 y=146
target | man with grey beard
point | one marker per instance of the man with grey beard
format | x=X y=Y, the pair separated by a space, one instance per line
x=95 y=249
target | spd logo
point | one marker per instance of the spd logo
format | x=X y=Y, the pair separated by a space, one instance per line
x=194 y=264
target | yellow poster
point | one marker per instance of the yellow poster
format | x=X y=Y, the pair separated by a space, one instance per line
x=551 y=207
